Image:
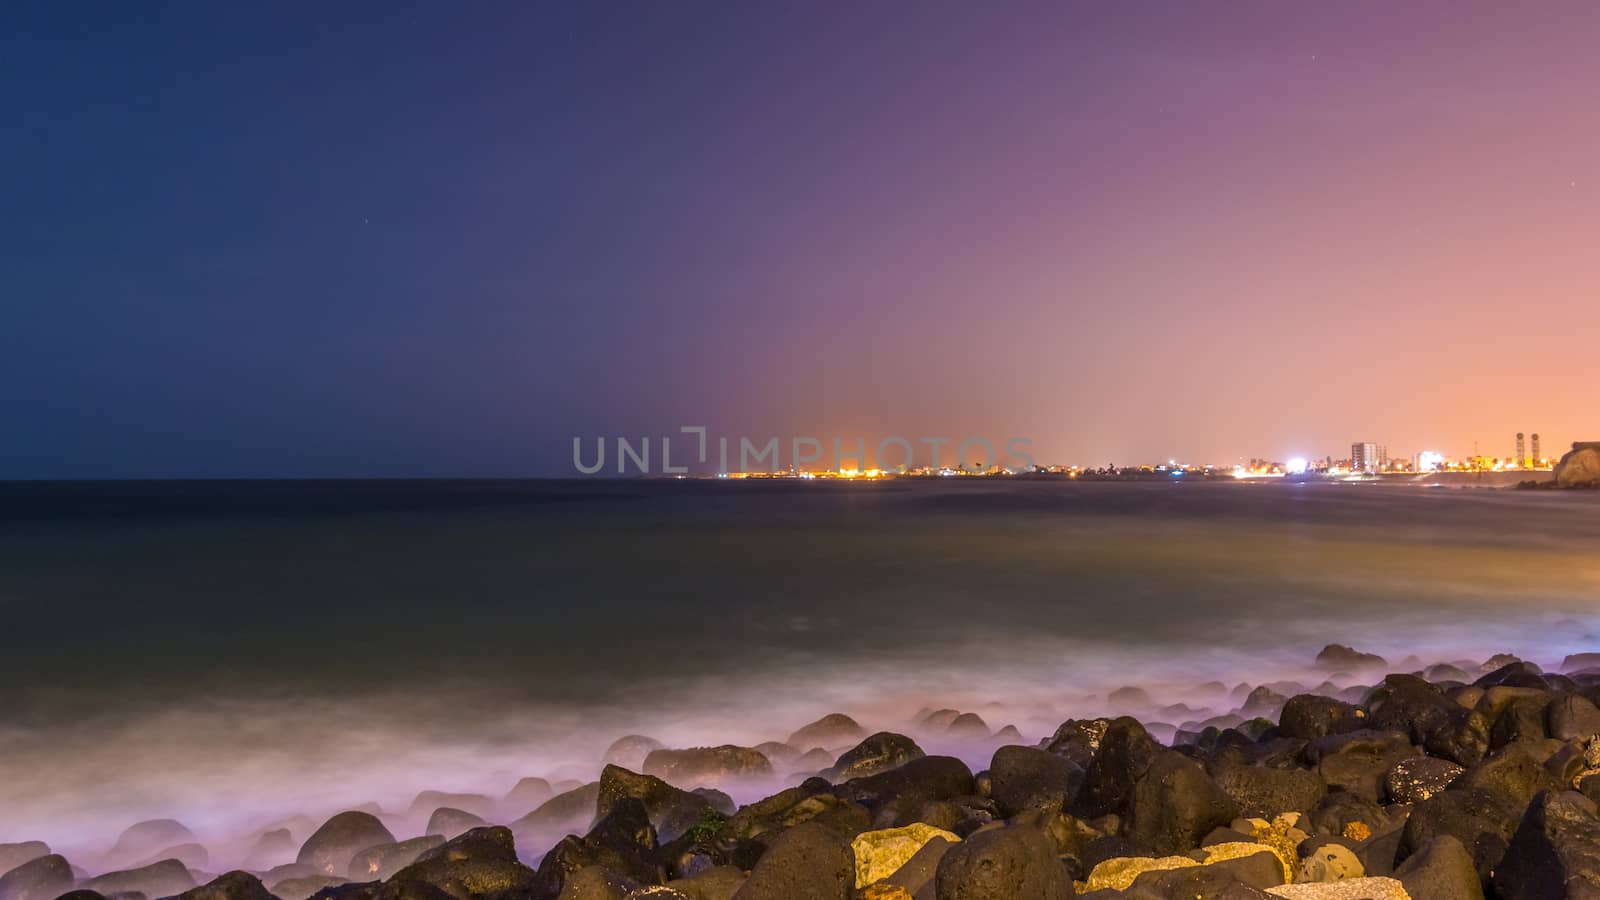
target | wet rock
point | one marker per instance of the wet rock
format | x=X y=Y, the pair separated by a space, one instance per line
x=450 y=822
x=1575 y=662
x=1125 y=753
x=528 y=793
x=629 y=751
x=1263 y=701
x=1027 y=778
x=1338 y=656
x=672 y=811
x=596 y=883
x=331 y=847
x=717 y=883
x=903 y=791
x=1515 y=773
x=13 y=855
x=832 y=730
x=1440 y=870
x=1418 y=778
x=234 y=885
x=1522 y=719
x=622 y=841
x=968 y=726
x=41 y=878
x=1555 y=852
x=1309 y=716
x=1571 y=716
x=879 y=854
x=481 y=862
x=807 y=862
x=162 y=879
x=1358 y=761
x=381 y=862
x=1003 y=864
x=1078 y=740
x=707 y=766
x=1480 y=820
x=140 y=840
x=1262 y=791
x=1175 y=803
x=878 y=753
x=192 y=855
x=1407 y=704
x=571 y=810
x=272 y=848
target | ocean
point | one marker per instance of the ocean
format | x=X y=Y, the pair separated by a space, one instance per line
x=235 y=653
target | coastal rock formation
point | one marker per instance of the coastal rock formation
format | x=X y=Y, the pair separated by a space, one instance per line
x=42 y=878
x=1580 y=467
x=330 y=849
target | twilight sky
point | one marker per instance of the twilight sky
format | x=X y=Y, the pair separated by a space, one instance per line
x=442 y=239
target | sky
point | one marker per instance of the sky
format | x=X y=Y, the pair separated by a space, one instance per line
x=390 y=239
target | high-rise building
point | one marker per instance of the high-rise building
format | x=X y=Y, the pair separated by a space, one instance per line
x=1536 y=457
x=1364 y=457
x=1522 y=451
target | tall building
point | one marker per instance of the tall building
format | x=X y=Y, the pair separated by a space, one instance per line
x=1364 y=457
x=1536 y=457
x=1522 y=451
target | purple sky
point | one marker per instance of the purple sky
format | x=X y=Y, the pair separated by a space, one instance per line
x=378 y=240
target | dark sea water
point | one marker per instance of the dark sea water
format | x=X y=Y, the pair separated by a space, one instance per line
x=235 y=653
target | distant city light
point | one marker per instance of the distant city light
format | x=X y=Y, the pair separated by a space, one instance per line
x=1429 y=461
x=1297 y=466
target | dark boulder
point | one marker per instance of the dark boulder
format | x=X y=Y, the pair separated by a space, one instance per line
x=1309 y=716
x=1338 y=656
x=331 y=847
x=1515 y=774
x=1555 y=852
x=1125 y=753
x=234 y=885
x=597 y=883
x=1417 y=778
x=1358 y=761
x=1003 y=864
x=381 y=862
x=707 y=766
x=1407 y=704
x=807 y=862
x=480 y=863
x=1078 y=740
x=1028 y=778
x=1522 y=719
x=41 y=878
x=1442 y=869
x=1344 y=813
x=140 y=840
x=1482 y=821
x=567 y=811
x=449 y=822
x=929 y=779
x=1175 y=803
x=1266 y=792
x=161 y=879
x=672 y=811
x=878 y=753
x=1572 y=716
x=623 y=841
x=832 y=730
x=968 y=726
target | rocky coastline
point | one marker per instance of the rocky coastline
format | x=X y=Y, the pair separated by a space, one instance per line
x=1453 y=780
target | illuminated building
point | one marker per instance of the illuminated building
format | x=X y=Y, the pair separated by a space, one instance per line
x=1366 y=457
